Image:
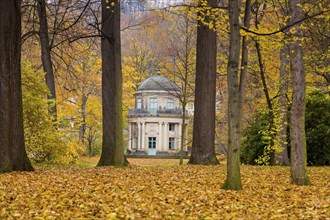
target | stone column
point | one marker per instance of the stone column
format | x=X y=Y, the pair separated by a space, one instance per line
x=165 y=139
x=139 y=135
x=160 y=141
x=143 y=147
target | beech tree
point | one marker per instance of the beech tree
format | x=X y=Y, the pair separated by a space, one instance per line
x=46 y=56
x=203 y=150
x=235 y=95
x=57 y=23
x=13 y=156
x=113 y=142
x=297 y=119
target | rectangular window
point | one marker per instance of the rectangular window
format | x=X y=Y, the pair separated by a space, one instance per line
x=171 y=127
x=153 y=105
x=152 y=143
x=171 y=143
x=170 y=104
x=138 y=103
x=135 y=143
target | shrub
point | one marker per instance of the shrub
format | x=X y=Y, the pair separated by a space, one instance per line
x=43 y=142
x=317 y=127
x=253 y=144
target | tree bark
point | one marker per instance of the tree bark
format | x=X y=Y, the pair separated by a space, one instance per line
x=113 y=143
x=13 y=156
x=282 y=157
x=82 y=129
x=46 y=57
x=297 y=123
x=245 y=43
x=235 y=97
x=183 y=131
x=203 y=149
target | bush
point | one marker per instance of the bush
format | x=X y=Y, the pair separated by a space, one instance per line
x=253 y=144
x=43 y=142
x=317 y=127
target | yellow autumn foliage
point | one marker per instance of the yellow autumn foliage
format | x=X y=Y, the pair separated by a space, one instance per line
x=160 y=189
x=43 y=142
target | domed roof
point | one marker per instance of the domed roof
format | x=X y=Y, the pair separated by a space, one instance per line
x=158 y=83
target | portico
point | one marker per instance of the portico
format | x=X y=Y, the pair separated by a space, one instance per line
x=147 y=135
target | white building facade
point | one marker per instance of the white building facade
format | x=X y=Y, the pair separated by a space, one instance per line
x=155 y=124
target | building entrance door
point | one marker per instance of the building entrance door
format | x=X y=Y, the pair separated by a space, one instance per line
x=152 y=146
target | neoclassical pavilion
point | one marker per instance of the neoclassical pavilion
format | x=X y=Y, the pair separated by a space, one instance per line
x=155 y=124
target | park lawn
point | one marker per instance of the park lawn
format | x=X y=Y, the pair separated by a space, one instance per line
x=161 y=189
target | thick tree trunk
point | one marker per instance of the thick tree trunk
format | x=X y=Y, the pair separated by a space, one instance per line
x=113 y=143
x=297 y=124
x=282 y=157
x=203 y=149
x=13 y=156
x=235 y=100
x=46 y=57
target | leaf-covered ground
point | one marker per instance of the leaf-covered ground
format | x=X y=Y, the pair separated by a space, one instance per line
x=160 y=189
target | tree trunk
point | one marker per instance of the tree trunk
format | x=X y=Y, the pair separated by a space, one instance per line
x=282 y=156
x=13 y=156
x=235 y=98
x=271 y=119
x=83 y=119
x=113 y=143
x=183 y=131
x=203 y=149
x=46 y=57
x=272 y=135
x=90 y=144
x=297 y=124
x=245 y=43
